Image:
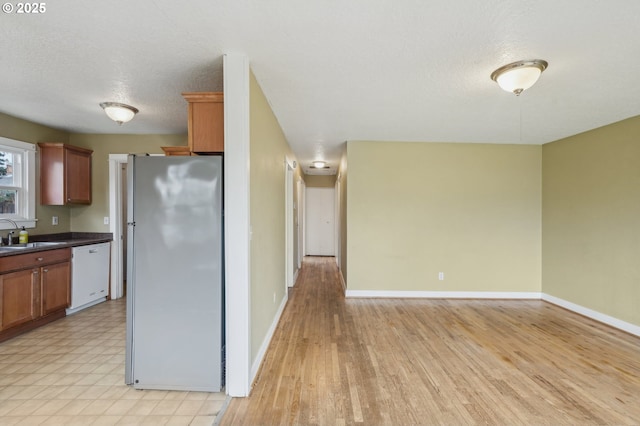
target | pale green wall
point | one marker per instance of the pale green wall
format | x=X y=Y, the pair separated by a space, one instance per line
x=320 y=181
x=83 y=218
x=27 y=131
x=268 y=148
x=91 y=218
x=591 y=220
x=472 y=211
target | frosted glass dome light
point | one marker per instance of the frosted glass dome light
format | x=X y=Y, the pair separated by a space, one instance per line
x=519 y=76
x=120 y=113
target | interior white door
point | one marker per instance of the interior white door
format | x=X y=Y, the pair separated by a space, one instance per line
x=320 y=221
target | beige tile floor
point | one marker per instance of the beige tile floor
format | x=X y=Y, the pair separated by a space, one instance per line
x=71 y=372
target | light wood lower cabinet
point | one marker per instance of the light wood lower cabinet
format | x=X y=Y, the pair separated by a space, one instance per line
x=20 y=297
x=55 y=287
x=34 y=289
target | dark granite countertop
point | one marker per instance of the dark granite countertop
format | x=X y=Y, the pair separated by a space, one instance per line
x=64 y=240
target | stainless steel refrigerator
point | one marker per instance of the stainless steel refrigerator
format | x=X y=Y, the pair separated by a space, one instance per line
x=175 y=311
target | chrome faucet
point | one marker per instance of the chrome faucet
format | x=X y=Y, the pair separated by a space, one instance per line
x=10 y=234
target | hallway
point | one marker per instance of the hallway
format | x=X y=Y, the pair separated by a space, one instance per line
x=415 y=362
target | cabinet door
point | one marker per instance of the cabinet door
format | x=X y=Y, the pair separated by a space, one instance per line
x=65 y=174
x=55 y=287
x=205 y=122
x=51 y=174
x=78 y=176
x=19 y=302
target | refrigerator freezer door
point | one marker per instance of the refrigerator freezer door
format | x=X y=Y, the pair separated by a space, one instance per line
x=176 y=274
x=128 y=366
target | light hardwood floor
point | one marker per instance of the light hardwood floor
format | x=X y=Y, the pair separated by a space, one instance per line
x=334 y=361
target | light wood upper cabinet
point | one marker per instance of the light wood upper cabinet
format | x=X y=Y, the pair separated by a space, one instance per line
x=206 y=121
x=65 y=174
x=176 y=150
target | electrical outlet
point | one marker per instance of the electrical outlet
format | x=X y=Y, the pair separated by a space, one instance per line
x=54 y=220
x=274 y=297
x=106 y=220
x=441 y=276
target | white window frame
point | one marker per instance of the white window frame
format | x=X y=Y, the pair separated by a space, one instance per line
x=26 y=211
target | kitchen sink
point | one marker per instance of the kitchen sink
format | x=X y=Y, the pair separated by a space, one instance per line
x=32 y=245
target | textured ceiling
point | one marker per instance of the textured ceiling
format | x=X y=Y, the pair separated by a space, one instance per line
x=401 y=70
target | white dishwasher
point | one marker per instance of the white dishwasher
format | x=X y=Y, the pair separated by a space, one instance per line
x=89 y=275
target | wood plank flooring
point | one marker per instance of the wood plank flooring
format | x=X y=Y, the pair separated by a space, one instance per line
x=337 y=361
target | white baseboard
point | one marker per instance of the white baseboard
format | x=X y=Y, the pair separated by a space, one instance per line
x=595 y=315
x=267 y=339
x=589 y=313
x=442 y=294
x=342 y=281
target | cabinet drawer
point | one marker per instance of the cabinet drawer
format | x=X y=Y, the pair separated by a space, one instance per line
x=34 y=259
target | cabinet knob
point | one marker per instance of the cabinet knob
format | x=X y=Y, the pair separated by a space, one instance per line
x=45 y=270
x=39 y=259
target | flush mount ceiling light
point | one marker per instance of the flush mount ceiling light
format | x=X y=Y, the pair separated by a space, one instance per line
x=519 y=76
x=319 y=164
x=120 y=113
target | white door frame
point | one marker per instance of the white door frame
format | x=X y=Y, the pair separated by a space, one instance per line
x=288 y=178
x=115 y=224
x=301 y=213
x=336 y=221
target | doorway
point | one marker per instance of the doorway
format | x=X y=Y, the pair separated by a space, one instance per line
x=118 y=222
x=300 y=226
x=289 y=224
x=320 y=222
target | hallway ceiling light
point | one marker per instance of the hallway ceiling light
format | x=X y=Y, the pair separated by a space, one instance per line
x=519 y=76
x=319 y=164
x=120 y=113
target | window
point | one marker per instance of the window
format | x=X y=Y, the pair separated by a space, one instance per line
x=17 y=184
